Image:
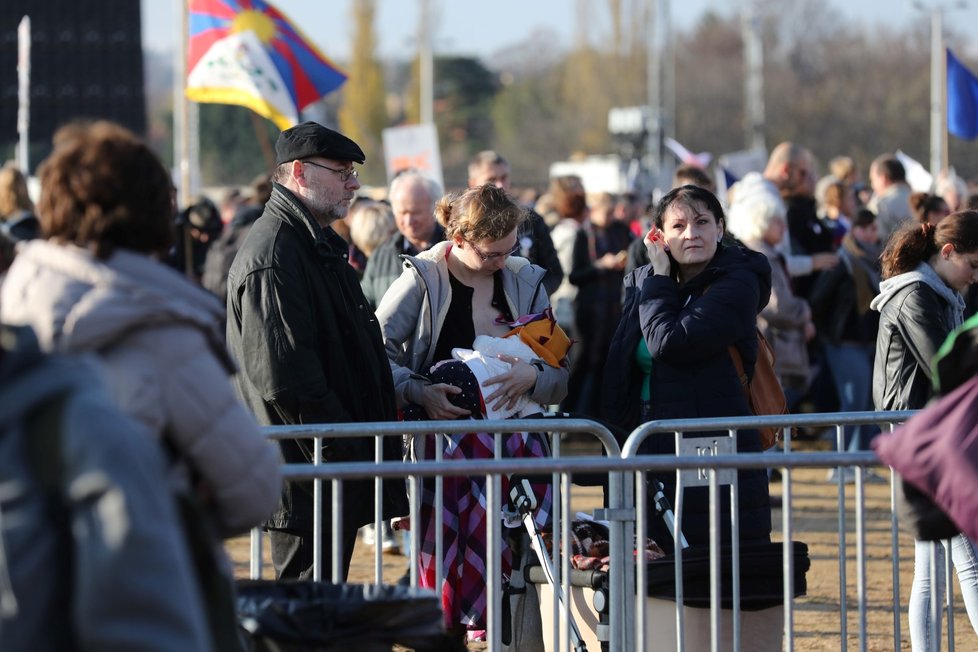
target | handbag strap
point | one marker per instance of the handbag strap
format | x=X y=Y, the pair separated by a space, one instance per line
x=738 y=363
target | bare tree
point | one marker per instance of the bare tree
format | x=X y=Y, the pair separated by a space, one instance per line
x=363 y=112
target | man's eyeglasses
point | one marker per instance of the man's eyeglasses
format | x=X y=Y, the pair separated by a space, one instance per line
x=343 y=174
x=494 y=255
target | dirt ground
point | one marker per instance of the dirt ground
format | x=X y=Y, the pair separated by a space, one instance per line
x=815 y=521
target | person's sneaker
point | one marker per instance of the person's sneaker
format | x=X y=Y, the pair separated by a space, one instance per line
x=368 y=534
x=872 y=477
x=848 y=475
x=387 y=541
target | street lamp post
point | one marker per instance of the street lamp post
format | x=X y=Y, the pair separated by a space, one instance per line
x=426 y=65
x=753 y=77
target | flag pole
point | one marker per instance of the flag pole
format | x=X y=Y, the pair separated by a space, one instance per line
x=180 y=142
x=24 y=94
x=946 y=155
x=181 y=123
x=938 y=98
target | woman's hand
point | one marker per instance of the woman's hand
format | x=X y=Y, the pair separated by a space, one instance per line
x=612 y=261
x=809 y=331
x=434 y=400
x=401 y=523
x=520 y=379
x=655 y=244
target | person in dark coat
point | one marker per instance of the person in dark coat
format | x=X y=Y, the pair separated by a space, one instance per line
x=307 y=341
x=599 y=260
x=847 y=326
x=221 y=253
x=669 y=356
x=412 y=197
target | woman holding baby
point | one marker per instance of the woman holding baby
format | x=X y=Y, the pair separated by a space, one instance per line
x=471 y=285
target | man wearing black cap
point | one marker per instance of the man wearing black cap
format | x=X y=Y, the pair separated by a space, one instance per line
x=307 y=342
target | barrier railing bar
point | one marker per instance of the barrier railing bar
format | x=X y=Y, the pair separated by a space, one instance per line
x=379 y=514
x=788 y=555
x=895 y=556
x=841 y=516
x=677 y=540
x=583 y=464
x=949 y=592
x=735 y=551
x=641 y=573
x=638 y=435
x=555 y=562
x=564 y=573
x=317 y=512
x=415 y=507
x=715 y=613
x=493 y=561
x=255 y=562
x=439 y=515
x=861 y=555
x=337 y=551
x=787 y=547
x=365 y=429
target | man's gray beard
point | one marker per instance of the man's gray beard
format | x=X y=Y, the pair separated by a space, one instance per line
x=326 y=218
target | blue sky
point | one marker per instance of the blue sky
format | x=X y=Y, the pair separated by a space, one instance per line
x=482 y=28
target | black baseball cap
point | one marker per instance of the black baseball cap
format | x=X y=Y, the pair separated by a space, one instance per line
x=313 y=139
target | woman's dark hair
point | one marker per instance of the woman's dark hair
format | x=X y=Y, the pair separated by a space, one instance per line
x=479 y=213
x=863 y=217
x=916 y=243
x=923 y=204
x=103 y=188
x=688 y=196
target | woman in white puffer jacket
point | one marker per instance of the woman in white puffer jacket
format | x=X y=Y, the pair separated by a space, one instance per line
x=95 y=286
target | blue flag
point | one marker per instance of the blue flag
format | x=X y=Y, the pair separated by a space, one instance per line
x=962 y=99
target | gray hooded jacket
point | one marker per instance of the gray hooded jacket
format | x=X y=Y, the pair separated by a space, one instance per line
x=413 y=310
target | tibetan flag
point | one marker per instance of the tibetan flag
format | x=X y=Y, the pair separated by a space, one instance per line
x=246 y=52
x=962 y=99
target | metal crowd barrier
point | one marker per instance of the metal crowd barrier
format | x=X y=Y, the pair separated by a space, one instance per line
x=617 y=498
x=711 y=456
x=708 y=461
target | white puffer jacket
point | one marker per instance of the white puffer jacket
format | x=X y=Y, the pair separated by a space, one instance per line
x=160 y=340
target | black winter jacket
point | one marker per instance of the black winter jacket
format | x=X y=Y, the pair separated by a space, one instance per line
x=687 y=329
x=385 y=265
x=835 y=306
x=310 y=351
x=535 y=233
x=917 y=313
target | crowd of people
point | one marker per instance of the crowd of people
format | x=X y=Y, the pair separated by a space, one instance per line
x=307 y=300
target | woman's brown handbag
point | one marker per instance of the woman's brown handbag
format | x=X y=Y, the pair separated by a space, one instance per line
x=763 y=389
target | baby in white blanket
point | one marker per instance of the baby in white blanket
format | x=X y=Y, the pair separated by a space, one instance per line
x=483 y=361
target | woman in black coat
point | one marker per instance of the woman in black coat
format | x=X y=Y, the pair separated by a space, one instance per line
x=669 y=356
